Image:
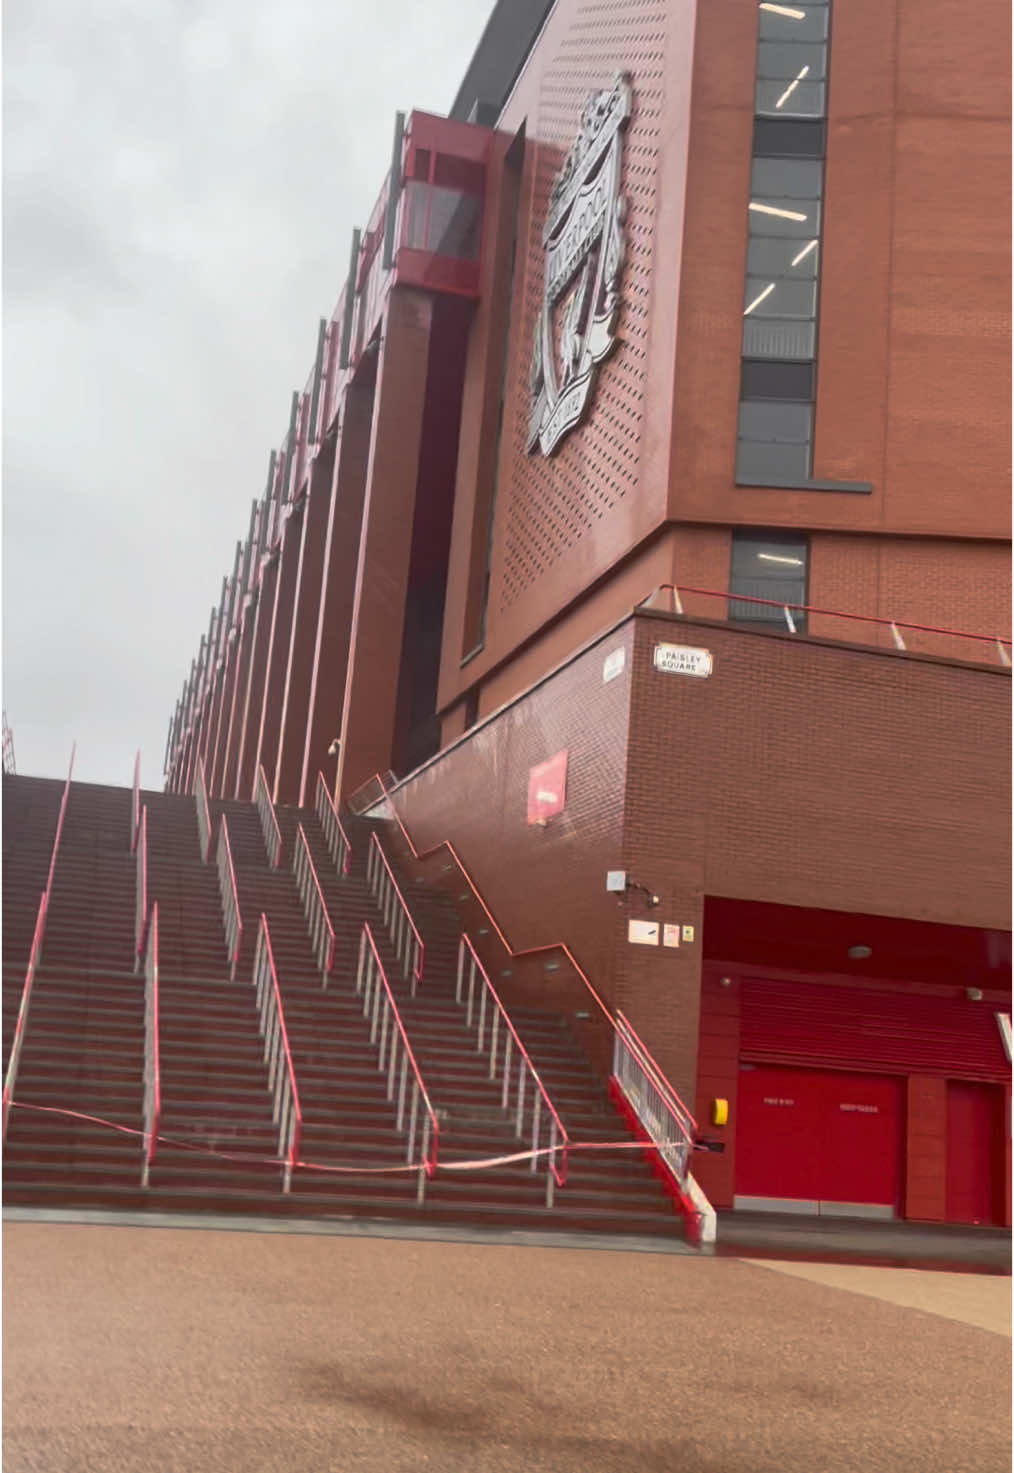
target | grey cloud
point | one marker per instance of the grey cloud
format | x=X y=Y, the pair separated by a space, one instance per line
x=180 y=184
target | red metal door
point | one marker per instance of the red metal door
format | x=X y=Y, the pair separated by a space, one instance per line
x=777 y=1134
x=818 y=1136
x=975 y=1143
x=861 y=1138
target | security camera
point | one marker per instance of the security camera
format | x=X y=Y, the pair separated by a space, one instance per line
x=332 y=750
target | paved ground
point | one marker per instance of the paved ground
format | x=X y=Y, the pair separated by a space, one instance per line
x=131 y=1349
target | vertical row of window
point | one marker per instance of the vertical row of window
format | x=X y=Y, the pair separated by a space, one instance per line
x=777 y=385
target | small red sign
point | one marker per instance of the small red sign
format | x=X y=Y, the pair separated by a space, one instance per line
x=547 y=788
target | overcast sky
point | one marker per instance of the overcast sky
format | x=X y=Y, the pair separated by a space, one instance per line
x=181 y=179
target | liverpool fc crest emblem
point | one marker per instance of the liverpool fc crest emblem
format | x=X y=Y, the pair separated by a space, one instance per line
x=584 y=244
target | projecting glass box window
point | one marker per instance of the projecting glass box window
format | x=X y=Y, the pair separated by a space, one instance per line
x=766 y=565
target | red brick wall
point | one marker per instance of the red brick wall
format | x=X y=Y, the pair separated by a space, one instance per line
x=914 y=371
x=798 y=774
x=544 y=884
x=914 y=352
x=564 y=521
x=846 y=779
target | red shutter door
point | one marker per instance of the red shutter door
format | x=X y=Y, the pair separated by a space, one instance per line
x=793 y=1023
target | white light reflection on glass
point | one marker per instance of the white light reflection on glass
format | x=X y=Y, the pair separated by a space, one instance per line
x=774 y=210
x=792 y=87
x=773 y=557
x=804 y=253
x=784 y=10
x=757 y=300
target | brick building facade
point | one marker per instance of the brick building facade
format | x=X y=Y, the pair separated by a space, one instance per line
x=794 y=222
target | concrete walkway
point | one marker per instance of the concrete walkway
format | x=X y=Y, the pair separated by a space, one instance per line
x=130 y=1349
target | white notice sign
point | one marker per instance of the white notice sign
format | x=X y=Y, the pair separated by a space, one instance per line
x=613 y=665
x=681 y=659
x=643 y=933
x=670 y=935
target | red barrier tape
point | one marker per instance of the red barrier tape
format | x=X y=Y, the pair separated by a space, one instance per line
x=478 y=1164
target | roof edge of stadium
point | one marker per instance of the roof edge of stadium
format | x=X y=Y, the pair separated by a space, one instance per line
x=503 y=49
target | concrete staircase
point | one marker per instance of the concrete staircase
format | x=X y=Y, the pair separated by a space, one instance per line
x=84 y=1043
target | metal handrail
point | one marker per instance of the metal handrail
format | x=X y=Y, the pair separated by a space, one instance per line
x=314 y=907
x=380 y=1006
x=269 y=823
x=668 y=1123
x=152 y=1083
x=334 y=833
x=26 y=995
x=135 y=803
x=403 y=931
x=200 y=792
x=140 y=888
x=232 y=921
x=281 y=1075
x=559 y=946
x=895 y=625
x=558 y=1137
x=59 y=823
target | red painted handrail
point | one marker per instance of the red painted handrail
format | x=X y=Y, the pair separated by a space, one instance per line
x=652 y=1071
x=269 y=823
x=273 y=1031
x=152 y=1083
x=232 y=921
x=141 y=888
x=377 y=859
x=59 y=822
x=203 y=812
x=559 y=1175
x=728 y=597
x=561 y=947
x=308 y=884
x=135 y=803
x=432 y=1148
x=515 y=955
x=26 y=994
x=334 y=832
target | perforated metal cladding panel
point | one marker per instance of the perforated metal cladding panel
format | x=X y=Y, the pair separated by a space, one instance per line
x=550 y=503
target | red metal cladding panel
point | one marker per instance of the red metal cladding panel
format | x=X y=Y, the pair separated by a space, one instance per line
x=975 y=1144
x=852 y=1028
x=818 y=1135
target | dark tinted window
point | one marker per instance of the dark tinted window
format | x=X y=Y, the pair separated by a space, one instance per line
x=788 y=138
x=759 y=380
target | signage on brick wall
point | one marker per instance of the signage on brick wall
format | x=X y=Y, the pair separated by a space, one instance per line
x=547 y=789
x=670 y=935
x=613 y=665
x=643 y=933
x=682 y=659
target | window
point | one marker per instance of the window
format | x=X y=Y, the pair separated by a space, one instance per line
x=770 y=566
x=781 y=290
